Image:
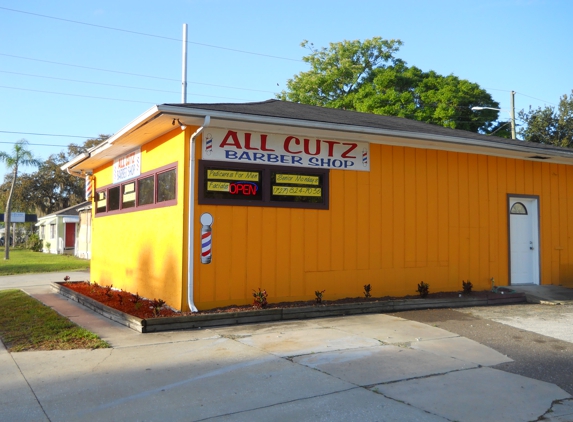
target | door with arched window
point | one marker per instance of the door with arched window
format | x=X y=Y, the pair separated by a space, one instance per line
x=524 y=240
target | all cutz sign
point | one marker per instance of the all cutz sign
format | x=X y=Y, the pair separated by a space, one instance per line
x=284 y=150
x=127 y=166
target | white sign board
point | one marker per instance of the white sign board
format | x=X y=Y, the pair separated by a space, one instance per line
x=284 y=150
x=17 y=217
x=127 y=166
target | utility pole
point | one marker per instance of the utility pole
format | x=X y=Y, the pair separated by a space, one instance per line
x=512 y=112
x=184 y=67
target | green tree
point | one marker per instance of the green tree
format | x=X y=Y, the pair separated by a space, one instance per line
x=50 y=189
x=367 y=77
x=549 y=125
x=338 y=72
x=20 y=157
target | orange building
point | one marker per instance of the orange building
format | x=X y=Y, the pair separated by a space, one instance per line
x=200 y=204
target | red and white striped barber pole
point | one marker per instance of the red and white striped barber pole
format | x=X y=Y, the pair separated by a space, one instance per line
x=88 y=187
x=206 y=238
x=208 y=144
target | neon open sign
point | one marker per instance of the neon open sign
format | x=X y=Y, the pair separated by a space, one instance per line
x=243 y=188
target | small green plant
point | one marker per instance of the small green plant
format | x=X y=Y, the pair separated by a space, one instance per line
x=467 y=286
x=48 y=244
x=260 y=298
x=135 y=298
x=34 y=243
x=318 y=294
x=157 y=304
x=120 y=298
x=367 y=290
x=423 y=289
x=95 y=287
x=108 y=291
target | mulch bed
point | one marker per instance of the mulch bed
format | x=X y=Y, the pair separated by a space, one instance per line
x=137 y=306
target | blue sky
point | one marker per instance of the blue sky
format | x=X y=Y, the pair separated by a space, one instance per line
x=503 y=45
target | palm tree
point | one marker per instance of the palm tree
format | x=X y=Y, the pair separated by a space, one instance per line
x=20 y=157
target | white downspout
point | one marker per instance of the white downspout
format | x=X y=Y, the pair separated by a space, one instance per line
x=191 y=216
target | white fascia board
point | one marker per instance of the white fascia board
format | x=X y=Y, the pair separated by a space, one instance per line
x=527 y=147
x=368 y=134
x=133 y=125
x=46 y=220
x=75 y=161
x=130 y=127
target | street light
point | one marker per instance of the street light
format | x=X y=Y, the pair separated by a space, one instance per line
x=511 y=113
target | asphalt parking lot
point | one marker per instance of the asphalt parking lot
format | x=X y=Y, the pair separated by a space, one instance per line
x=538 y=337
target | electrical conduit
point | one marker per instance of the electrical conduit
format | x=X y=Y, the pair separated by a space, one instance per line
x=191 y=216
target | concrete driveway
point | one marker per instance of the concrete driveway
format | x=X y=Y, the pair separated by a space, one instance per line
x=370 y=367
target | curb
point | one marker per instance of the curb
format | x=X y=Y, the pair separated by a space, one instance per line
x=151 y=325
x=530 y=298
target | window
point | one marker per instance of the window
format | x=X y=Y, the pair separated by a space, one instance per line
x=42 y=231
x=113 y=199
x=233 y=184
x=128 y=195
x=52 y=231
x=518 y=208
x=153 y=189
x=146 y=191
x=296 y=187
x=166 y=186
x=101 y=202
x=263 y=186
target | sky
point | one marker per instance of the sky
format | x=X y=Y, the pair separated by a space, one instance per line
x=71 y=70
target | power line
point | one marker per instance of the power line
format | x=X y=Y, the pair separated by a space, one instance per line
x=150 y=35
x=88 y=82
x=38 y=145
x=520 y=93
x=497 y=89
x=48 y=134
x=108 y=98
x=91 y=68
x=131 y=74
x=76 y=95
x=538 y=99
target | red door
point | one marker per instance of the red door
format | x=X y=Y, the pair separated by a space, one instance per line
x=70 y=235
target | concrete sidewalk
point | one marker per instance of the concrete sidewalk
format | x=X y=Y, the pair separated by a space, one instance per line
x=370 y=367
x=548 y=294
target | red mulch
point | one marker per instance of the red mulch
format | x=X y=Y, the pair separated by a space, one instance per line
x=139 y=307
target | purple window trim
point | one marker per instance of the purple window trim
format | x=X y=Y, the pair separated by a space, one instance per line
x=154 y=173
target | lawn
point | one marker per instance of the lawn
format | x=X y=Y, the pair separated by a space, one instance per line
x=25 y=261
x=27 y=324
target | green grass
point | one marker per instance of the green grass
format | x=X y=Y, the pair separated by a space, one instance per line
x=25 y=261
x=26 y=324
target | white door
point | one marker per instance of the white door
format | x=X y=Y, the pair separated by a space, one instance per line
x=524 y=240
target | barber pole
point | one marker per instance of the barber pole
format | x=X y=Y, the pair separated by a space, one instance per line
x=88 y=188
x=208 y=144
x=206 y=238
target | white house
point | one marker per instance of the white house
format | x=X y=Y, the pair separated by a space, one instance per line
x=59 y=230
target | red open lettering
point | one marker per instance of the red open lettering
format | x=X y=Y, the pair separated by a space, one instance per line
x=248 y=189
